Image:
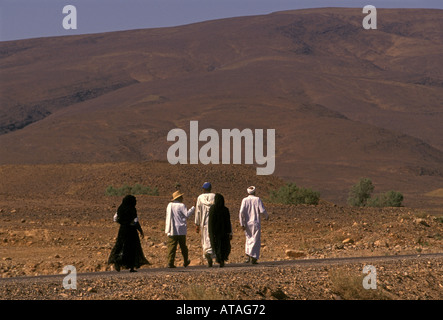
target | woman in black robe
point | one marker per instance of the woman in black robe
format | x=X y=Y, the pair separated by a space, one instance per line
x=220 y=229
x=127 y=251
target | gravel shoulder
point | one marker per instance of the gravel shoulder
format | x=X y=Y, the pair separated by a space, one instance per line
x=401 y=277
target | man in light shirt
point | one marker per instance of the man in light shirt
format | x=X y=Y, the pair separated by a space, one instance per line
x=204 y=202
x=176 y=228
x=250 y=220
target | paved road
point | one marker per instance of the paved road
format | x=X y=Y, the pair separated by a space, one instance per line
x=230 y=267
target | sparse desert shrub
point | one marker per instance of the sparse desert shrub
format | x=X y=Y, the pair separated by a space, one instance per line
x=137 y=189
x=388 y=199
x=421 y=214
x=111 y=191
x=360 y=193
x=291 y=194
x=360 y=196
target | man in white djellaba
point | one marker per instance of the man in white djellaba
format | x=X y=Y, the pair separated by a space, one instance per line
x=250 y=220
x=204 y=202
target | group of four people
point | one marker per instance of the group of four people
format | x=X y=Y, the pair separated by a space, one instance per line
x=212 y=221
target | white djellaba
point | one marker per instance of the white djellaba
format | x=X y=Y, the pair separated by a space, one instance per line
x=204 y=203
x=251 y=210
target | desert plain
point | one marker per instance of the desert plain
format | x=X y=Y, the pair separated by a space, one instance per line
x=59 y=215
x=81 y=113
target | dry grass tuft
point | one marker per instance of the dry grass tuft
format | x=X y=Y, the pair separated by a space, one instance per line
x=350 y=287
x=201 y=292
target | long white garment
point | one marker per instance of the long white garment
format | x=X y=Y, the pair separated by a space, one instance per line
x=204 y=202
x=176 y=218
x=251 y=210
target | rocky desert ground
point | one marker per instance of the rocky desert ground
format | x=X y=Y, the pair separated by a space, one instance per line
x=57 y=215
x=79 y=114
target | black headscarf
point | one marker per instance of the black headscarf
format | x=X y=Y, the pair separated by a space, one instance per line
x=126 y=212
x=219 y=201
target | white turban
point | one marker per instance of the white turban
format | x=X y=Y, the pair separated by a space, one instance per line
x=251 y=190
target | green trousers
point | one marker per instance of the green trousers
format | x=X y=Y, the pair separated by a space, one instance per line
x=173 y=241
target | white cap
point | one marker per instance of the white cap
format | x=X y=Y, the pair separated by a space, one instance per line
x=251 y=190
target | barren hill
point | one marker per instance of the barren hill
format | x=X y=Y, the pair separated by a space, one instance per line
x=345 y=102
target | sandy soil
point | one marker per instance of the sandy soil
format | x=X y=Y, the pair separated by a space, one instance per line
x=39 y=235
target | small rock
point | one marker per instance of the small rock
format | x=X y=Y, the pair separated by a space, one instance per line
x=381 y=243
x=339 y=246
x=422 y=222
x=92 y=290
x=348 y=240
x=294 y=253
x=279 y=294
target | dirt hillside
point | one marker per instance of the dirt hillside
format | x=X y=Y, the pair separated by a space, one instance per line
x=345 y=102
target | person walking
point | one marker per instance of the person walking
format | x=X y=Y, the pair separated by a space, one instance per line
x=251 y=210
x=220 y=229
x=176 y=228
x=204 y=202
x=127 y=252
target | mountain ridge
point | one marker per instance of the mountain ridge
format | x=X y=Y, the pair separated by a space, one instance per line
x=345 y=102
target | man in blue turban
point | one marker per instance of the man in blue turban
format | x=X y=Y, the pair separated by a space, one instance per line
x=204 y=202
